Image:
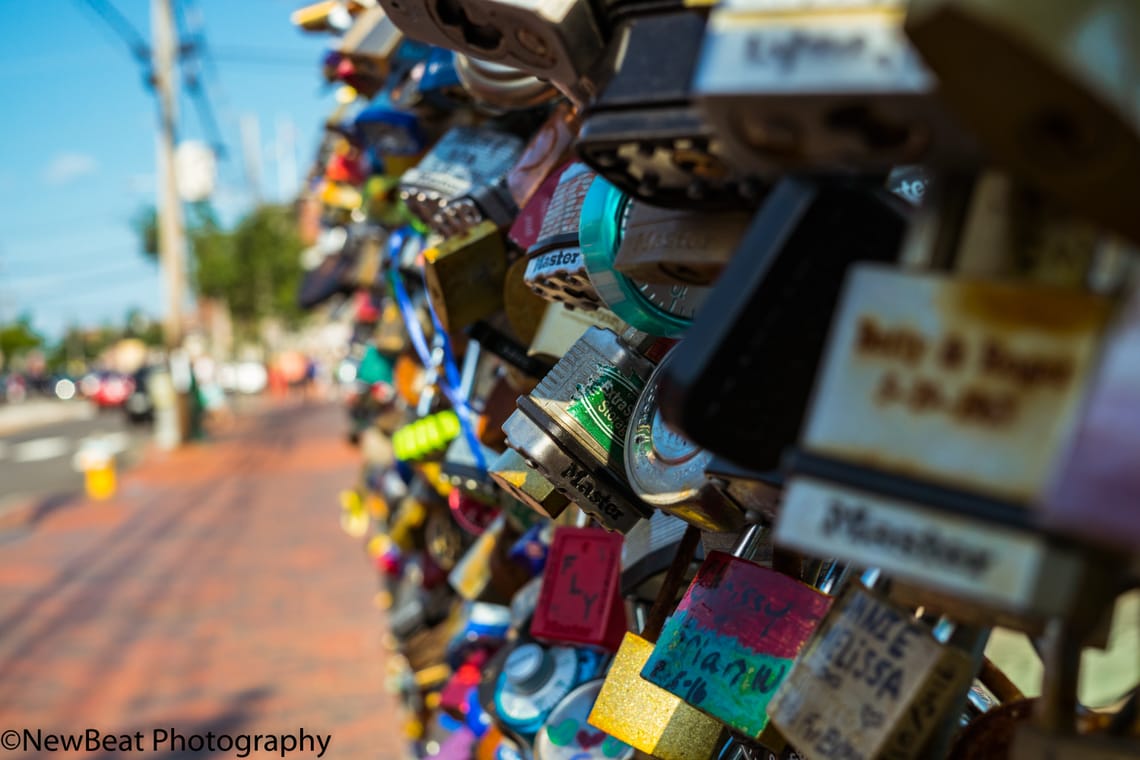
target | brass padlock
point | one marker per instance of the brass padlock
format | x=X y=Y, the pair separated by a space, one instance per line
x=1049 y=90
x=733 y=638
x=572 y=427
x=668 y=472
x=644 y=133
x=873 y=682
x=556 y=269
x=485 y=573
x=522 y=481
x=809 y=85
x=464 y=276
x=643 y=715
x=560 y=42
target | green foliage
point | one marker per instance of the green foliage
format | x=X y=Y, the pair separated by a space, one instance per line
x=18 y=338
x=255 y=267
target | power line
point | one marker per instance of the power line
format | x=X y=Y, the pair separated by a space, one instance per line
x=123 y=29
x=193 y=52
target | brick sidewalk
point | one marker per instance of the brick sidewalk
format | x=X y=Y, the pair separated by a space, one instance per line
x=216 y=592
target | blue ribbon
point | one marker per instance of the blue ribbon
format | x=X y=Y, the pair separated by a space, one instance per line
x=450 y=381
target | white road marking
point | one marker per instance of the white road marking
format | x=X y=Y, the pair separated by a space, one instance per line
x=116 y=442
x=39 y=449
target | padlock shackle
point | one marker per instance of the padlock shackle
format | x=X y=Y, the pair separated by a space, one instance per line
x=686 y=550
x=750 y=541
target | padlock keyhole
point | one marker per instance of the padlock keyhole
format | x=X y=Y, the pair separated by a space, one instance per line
x=451 y=13
x=875 y=132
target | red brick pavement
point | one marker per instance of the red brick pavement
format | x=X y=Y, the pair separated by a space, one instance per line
x=215 y=592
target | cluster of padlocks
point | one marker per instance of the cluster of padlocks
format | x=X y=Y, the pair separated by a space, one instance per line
x=728 y=371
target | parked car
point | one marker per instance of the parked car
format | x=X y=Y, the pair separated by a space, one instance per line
x=108 y=390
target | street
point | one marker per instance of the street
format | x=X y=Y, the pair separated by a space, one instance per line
x=214 y=593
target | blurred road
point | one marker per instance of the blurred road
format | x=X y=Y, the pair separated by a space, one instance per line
x=39 y=439
x=214 y=592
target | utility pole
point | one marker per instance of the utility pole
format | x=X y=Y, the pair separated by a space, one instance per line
x=173 y=419
x=171 y=229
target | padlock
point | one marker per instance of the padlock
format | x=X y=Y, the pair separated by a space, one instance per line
x=873 y=682
x=821 y=86
x=522 y=306
x=492 y=335
x=938 y=413
x=326 y=16
x=572 y=427
x=1053 y=731
x=426 y=437
x=666 y=309
x=644 y=133
x=1049 y=91
x=437 y=190
x=739 y=383
x=646 y=553
x=645 y=716
x=556 y=269
x=580 y=603
x=370 y=43
x=485 y=573
x=733 y=638
x=501 y=87
x=1094 y=487
x=527 y=226
x=511 y=472
x=550 y=147
x=668 y=472
x=560 y=42
x=567 y=736
x=464 y=276
x=676 y=246
x=535 y=678
x=562 y=326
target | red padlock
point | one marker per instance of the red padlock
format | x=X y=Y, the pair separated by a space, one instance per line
x=580 y=601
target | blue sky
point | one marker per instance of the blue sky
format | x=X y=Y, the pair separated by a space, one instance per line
x=77 y=144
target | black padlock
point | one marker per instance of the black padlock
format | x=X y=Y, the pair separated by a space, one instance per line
x=738 y=384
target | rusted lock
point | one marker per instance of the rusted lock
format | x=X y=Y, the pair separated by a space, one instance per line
x=580 y=602
x=1034 y=83
x=465 y=274
x=668 y=472
x=643 y=715
x=734 y=636
x=873 y=682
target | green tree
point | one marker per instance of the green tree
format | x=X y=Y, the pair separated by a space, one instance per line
x=18 y=338
x=255 y=267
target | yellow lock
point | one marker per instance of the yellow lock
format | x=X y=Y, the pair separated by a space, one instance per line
x=465 y=275
x=645 y=716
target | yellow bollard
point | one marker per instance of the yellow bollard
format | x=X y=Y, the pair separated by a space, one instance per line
x=98 y=467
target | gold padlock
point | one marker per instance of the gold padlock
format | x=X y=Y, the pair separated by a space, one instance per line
x=645 y=716
x=465 y=274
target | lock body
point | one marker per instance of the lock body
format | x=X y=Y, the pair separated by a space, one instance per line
x=1035 y=87
x=572 y=427
x=567 y=736
x=535 y=679
x=677 y=247
x=733 y=639
x=873 y=682
x=644 y=133
x=739 y=382
x=465 y=276
x=555 y=268
x=580 y=602
x=820 y=86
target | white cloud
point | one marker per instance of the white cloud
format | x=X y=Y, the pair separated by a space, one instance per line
x=65 y=168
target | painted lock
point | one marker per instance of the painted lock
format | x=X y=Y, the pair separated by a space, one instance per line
x=873 y=682
x=580 y=602
x=641 y=714
x=734 y=637
x=567 y=736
